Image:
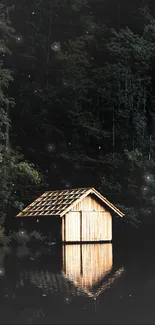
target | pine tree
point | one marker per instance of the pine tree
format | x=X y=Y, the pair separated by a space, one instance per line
x=14 y=171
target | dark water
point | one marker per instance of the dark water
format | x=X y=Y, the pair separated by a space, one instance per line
x=78 y=284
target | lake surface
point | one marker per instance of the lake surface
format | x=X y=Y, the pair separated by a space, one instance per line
x=78 y=284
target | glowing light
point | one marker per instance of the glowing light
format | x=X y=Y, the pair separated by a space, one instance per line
x=35 y=91
x=99 y=147
x=18 y=39
x=77 y=166
x=65 y=83
x=51 y=147
x=148 y=177
x=69 y=143
x=29 y=76
x=55 y=46
x=33 y=13
x=37 y=220
x=68 y=185
x=67 y=300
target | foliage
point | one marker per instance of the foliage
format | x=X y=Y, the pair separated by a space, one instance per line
x=16 y=178
x=23 y=238
x=84 y=91
x=16 y=174
x=36 y=236
x=19 y=238
x=4 y=240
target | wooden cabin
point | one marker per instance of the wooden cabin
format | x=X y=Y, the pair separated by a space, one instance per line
x=78 y=215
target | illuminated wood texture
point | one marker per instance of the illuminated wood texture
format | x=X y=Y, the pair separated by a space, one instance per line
x=89 y=203
x=86 y=265
x=92 y=226
x=72 y=227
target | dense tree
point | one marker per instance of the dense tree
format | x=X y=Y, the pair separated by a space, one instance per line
x=16 y=175
x=84 y=93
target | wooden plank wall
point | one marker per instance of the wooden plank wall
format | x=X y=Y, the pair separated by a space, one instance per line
x=87 y=226
x=88 y=221
x=72 y=226
x=96 y=226
x=86 y=265
x=88 y=204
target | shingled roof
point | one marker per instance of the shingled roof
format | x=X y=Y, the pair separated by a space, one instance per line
x=59 y=202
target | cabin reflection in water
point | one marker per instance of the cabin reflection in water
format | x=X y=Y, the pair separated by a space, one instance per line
x=86 y=265
x=89 y=267
x=87 y=270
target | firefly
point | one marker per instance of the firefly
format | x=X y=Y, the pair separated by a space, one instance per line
x=51 y=147
x=55 y=46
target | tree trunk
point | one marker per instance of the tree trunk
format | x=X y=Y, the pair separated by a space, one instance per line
x=150 y=142
x=113 y=130
x=144 y=110
x=119 y=13
x=126 y=87
x=48 y=46
x=7 y=127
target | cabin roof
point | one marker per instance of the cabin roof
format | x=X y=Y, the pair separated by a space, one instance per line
x=59 y=202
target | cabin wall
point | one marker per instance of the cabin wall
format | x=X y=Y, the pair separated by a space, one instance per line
x=89 y=203
x=87 y=226
x=96 y=226
x=71 y=227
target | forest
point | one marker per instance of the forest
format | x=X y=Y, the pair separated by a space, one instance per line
x=77 y=102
